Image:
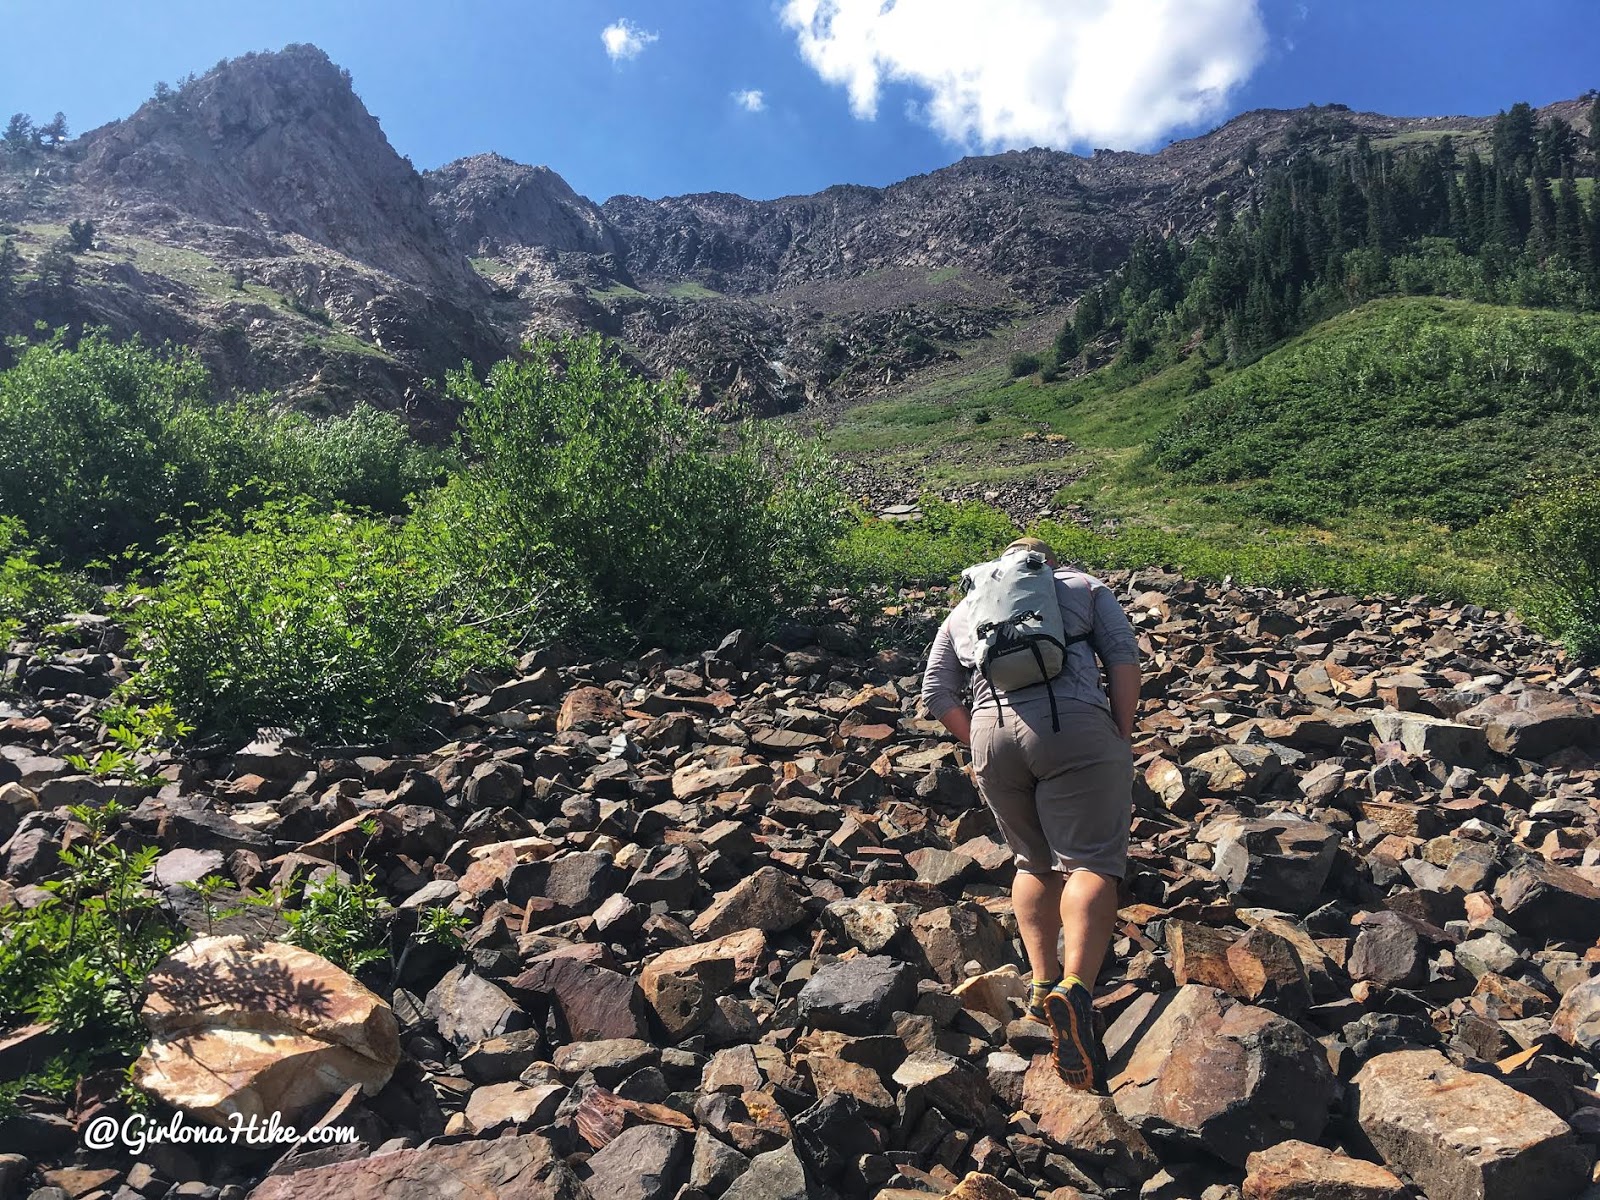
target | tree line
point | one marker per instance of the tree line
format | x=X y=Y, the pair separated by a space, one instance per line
x=23 y=134
x=1327 y=231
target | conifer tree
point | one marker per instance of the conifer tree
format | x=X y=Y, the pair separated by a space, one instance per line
x=1542 y=220
x=1592 y=241
x=1557 y=145
x=1509 y=226
x=10 y=264
x=1594 y=134
x=1569 y=243
x=1224 y=211
x=19 y=135
x=55 y=132
x=1383 y=232
x=1473 y=190
x=1514 y=138
x=1067 y=346
x=1090 y=317
x=57 y=268
x=1459 y=225
x=1347 y=208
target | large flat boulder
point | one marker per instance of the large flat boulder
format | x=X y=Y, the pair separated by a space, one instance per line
x=252 y=1028
x=1459 y=1135
x=1454 y=743
x=525 y=1167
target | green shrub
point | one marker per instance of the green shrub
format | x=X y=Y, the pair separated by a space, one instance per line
x=1022 y=363
x=84 y=453
x=78 y=962
x=1551 y=540
x=935 y=550
x=345 y=922
x=236 y=454
x=597 y=504
x=30 y=594
x=100 y=442
x=329 y=624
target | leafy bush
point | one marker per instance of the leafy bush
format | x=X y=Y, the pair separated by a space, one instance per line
x=78 y=961
x=30 y=594
x=935 y=550
x=99 y=442
x=236 y=454
x=1023 y=363
x=598 y=504
x=1551 y=540
x=326 y=623
x=345 y=922
x=84 y=452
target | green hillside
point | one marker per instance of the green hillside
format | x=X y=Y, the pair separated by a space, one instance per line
x=1367 y=449
x=1408 y=407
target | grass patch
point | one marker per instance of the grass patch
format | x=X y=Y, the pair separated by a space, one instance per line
x=1465 y=139
x=337 y=341
x=690 y=290
x=943 y=275
x=617 y=291
x=951 y=537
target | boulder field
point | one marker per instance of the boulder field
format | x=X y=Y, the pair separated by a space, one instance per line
x=736 y=925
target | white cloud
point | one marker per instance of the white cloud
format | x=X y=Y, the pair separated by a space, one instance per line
x=625 y=40
x=1037 y=72
x=751 y=100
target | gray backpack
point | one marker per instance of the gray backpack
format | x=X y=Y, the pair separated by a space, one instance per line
x=1016 y=621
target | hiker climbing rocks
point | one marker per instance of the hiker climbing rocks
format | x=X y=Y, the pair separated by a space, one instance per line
x=1051 y=749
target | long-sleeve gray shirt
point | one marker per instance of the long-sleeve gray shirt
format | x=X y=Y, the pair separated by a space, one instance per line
x=1087 y=606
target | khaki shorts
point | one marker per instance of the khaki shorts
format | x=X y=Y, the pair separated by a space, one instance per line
x=1063 y=801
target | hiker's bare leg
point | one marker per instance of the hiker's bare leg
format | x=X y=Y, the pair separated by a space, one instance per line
x=1036 y=900
x=1088 y=916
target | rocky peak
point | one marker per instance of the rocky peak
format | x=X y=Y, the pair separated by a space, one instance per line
x=488 y=201
x=278 y=142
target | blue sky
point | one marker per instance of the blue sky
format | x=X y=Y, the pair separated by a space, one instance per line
x=850 y=92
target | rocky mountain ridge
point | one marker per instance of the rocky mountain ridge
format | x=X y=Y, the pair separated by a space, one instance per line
x=737 y=926
x=259 y=214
